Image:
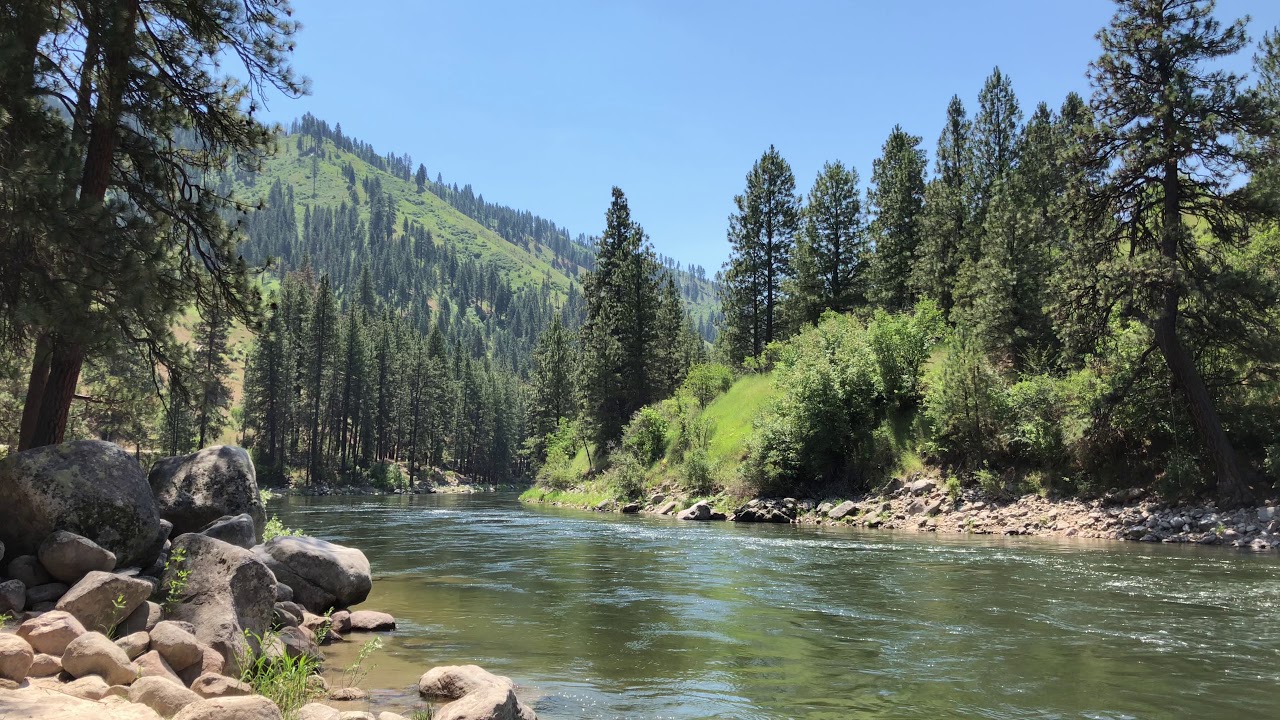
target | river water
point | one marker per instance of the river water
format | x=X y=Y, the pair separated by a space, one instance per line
x=603 y=616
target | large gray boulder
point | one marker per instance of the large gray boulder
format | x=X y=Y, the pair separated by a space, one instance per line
x=89 y=487
x=323 y=575
x=69 y=557
x=226 y=591
x=195 y=490
x=239 y=530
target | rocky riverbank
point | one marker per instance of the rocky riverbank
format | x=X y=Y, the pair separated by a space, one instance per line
x=921 y=504
x=106 y=617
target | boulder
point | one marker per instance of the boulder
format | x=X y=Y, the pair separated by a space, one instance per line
x=153 y=664
x=38 y=702
x=16 y=657
x=195 y=490
x=667 y=508
x=89 y=487
x=489 y=704
x=318 y=711
x=45 y=666
x=372 y=621
x=48 y=592
x=390 y=716
x=455 y=681
x=51 y=632
x=842 y=510
x=355 y=715
x=211 y=662
x=28 y=569
x=89 y=687
x=134 y=644
x=226 y=592
x=340 y=621
x=215 y=685
x=94 y=654
x=297 y=642
x=238 y=530
x=13 y=597
x=284 y=593
x=251 y=707
x=323 y=575
x=347 y=694
x=282 y=616
x=176 y=645
x=102 y=600
x=69 y=557
x=164 y=696
x=921 y=487
x=698 y=511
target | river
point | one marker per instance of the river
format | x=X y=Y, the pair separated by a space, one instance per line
x=602 y=616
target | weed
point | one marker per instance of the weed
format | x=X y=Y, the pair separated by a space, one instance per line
x=276 y=676
x=177 y=585
x=275 y=528
x=356 y=672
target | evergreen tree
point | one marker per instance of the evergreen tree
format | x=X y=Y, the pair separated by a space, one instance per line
x=896 y=197
x=995 y=138
x=420 y=178
x=947 y=235
x=320 y=337
x=831 y=253
x=213 y=397
x=553 y=388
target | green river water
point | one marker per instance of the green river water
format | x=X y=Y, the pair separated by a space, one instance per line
x=602 y=616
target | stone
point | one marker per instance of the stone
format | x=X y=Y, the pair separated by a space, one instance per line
x=372 y=621
x=282 y=617
x=317 y=711
x=51 y=632
x=455 y=681
x=28 y=569
x=94 y=654
x=920 y=487
x=347 y=694
x=842 y=510
x=323 y=575
x=340 y=621
x=284 y=593
x=667 y=508
x=142 y=619
x=390 y=716
x=134 y=644
x=216 y=685
x=69 y=557
x=195 y=490
x=630 y=508
x=227 y=592
x=89 y=687
x=164 y=696
x=45 y=665
x=251 y=707
x=298 y=642
x=239 y=530
x=489 y=704
x=153 y=664
x=88 y=487
x=176 y=645
x=211 y=663
x=39 y=702
x=355 y=715
x=698 y=511
x=16 y=657
x=48 y=592
x=13 y=597
x=915 y=508
x=101 y=600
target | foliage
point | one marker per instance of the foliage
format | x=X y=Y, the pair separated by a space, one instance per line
x=697 y=474
x=901 y=345
x=284 y=680
x=274 y=529
x=625 y=476
x=181 y=576
x=561 y=445
x=645 y=437
x=706 y=381
x=355 y=673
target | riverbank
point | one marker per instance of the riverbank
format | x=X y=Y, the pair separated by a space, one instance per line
x=922 y=504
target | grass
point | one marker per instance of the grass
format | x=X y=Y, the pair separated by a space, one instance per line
x=732 y=415
x=591 y=493
x=284 y=680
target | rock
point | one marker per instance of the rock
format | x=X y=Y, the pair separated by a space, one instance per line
x=94 y=654
x=284 y=593
x=69 y=557
x=920 y=487
x=13 y=597
x=141 y=620
x=842 y=510
x=933 y=507
x=915 y=508
x=251 y=707
x=227 y=592
x=455 y=681
x=215 y=685
x=45 y=665
x=293 y=609
x=238 y=530
x=297 y=642
x=88 y=487
x=101 y=600
x=340 y=621
x=51 y=632
x=347 y=694
x=39 y=702
x=281 y=616
x=49 y=592
x=211 y=663
x=355 y=715
x=390 y=716
x=194 y=490
x=176 y=645
x=1267 y=514
x=372 y=621
x=488 y=704
x=134 y=644
x=164 y=696
x=667 y=508
x=16 y=657
x=89 y=687
x=322 y=574
x=317 y=711
x=698 y=511
x=29 y=570
x=603 y=505
x=630 y=508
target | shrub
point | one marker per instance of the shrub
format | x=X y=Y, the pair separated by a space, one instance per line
x=562 y=444
x=901 y=345
x=274 y=528
x=966 y=404
x=645 y=437
x=707 y=381
x=387 y=476
x=284 y=680
x=625 y=475
x=698 y=472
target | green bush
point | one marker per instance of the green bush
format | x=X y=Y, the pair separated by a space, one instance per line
x=901 y=345
x=562 y=445
x=698 y=473
x=707 y=381
x=387 y=476
x=625 y=476
x=645 y=437
x=967 y=406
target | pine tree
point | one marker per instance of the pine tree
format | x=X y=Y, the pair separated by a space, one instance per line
x=421 y=177
x=831 y=254
x=553 y=381
x=948 y=237
x=267 y=397
x=321 y=334
x=896 y=198
x=995 y=138
x=212 y=397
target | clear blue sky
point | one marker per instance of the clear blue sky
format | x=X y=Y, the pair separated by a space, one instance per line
x=545 y=106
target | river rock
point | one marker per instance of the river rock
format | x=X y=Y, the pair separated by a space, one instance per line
x=227 y=592
x=372 y=621
x=89 y=487
x=164 y=696
x=94 y=654
x=216 y=685
x=698 y=511
x=839 y=512
x=13 y=597
x=195 y=490
x=920 y=487
x=323 y=575
x=355 y=715
x=239 y=530
x=69 y=557
x=488 y=704
x=51 y=632
x=43 y=665
x=251 y=707
x=101 y=600
x=455 y=681
x=49 y=592
x=16 y=657
x=391 y=716
x=28 y=569
x=176 y=644
x=134 y=644
x=295 y=642
x=39 y=702
x=347 y=694
x=284 y=593
x=318 y=711
x=89 y=687
x=142 y=619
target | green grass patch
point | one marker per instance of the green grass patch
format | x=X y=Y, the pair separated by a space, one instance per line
x=732 y=415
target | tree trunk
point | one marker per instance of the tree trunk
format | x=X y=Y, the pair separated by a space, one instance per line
x=35 y=392
x=59 y=391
